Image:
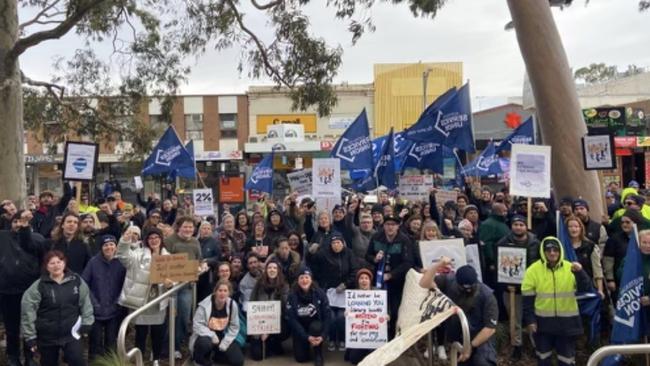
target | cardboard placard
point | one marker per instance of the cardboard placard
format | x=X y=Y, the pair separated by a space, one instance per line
x=511 y=262
x=263 y=317
x=443 y=196
x=415 y=188
x=366 y=321
x=175 y=267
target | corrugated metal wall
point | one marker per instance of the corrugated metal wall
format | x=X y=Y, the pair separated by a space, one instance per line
x=398 y=91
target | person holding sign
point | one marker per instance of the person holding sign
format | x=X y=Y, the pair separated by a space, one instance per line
x=550 y=306
x=270 y=287
x=215 y=327
x=478 y=303
x=364 y=282
x=138 y=289
x=309 y=316
x=519 y=237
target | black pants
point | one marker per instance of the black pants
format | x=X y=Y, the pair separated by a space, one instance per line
x=73 y=354
x=157 y=338
x=10 y=307
x=203 y=348
x=354 y=356
x=273 y=344
x=302 y=348
x=103 y=337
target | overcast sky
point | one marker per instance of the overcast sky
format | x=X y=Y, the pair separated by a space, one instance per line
x=470 y=31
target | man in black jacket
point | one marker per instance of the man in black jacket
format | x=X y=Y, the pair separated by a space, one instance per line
x=45 y=216
x=20 y=258
x=391 y=252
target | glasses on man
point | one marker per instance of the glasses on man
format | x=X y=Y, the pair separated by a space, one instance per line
x=630 y=203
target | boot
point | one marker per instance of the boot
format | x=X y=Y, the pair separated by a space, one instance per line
x=318 y=356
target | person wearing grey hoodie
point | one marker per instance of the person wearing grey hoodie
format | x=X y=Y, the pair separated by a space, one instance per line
x=361 y=233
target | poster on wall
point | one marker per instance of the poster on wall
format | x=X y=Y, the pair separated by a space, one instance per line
x=80 y=160
x=530 y=171
x=598 y=152
x=512 y=264
x=366 y=319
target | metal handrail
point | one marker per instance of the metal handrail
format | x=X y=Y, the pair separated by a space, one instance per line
x=135 y=352
x=466 y=347
x=623 y=349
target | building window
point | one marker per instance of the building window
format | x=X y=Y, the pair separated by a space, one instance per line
x=228 y=122
x=194 y=126
x=158 y=123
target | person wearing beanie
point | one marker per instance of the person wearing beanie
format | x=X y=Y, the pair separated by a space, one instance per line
x=519 y=237
x=334 y=269
x=309 y=317
x=377 y=213
x=594 y=231
x=633 y=184
x=104 y=275
x=478 y=303
x=471 y=213
x=271 y=286
x=554 y=321
x=364 y=279
x=566 y=206
x=138 y=290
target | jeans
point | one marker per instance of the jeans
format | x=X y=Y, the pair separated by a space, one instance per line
x=183 y=311
x=157 y=338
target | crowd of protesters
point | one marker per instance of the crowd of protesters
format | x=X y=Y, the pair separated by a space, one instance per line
x=75 y=268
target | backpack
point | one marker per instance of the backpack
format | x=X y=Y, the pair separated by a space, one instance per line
x=241 y=336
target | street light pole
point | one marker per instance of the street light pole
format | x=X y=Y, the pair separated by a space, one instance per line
x=425 y=78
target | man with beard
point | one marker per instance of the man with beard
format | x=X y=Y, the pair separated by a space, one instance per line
x=391 y=252
x=594 y=231
x=566 y=207
x=377 y=213
x=91 y=230
x=478 y=303
x=519 y=237
x=361 y=233
x=485 y=203
x=246 y=285
x=543 y=220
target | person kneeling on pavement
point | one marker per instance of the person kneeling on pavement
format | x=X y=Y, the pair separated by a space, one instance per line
x=550 y=307
x=479 y=304
x=215 y=327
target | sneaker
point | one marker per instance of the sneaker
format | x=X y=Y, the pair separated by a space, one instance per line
x=156 y=363
x=331 y=346
x=442 y=354
x=341 y=346
x=178 y=355
x=516 y=353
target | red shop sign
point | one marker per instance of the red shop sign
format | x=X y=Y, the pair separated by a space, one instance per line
x=625 y=142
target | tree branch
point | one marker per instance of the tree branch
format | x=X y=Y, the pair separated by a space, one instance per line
x=270 y=5
x=57 y=32
x=39 y=15
x=48 y=86
x=270 y=69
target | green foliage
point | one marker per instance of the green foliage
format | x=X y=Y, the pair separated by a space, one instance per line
x=599 y=72
x=110 y=359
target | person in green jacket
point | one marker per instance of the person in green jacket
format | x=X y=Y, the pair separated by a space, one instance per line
x=490 y=232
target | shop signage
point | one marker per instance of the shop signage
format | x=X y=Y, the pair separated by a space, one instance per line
x=266 y=147
x=231 y=190
x=306 y=120
x=45 y=159
x=341 y=122
x=285 y=133
x=218 y=155
x=635 y=121
x=643 y=141
x=628 y=142
x=603 y=121
x=326 y=145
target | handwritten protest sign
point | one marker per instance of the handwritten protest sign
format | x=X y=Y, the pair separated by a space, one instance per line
x=263 y=317
x=175 y=267
x=203 y=202
x=300 y=182
x=512 y=264
x=366 y=321
x=443 y=196
x=530 y=171
x=415 y=187
x=432 y=250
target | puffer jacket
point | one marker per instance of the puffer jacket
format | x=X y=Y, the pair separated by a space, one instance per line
x=137 y=289
x=332 y=269
x=202 y=317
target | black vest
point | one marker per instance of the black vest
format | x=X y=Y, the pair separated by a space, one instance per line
x=584 y=256
x=592 y=231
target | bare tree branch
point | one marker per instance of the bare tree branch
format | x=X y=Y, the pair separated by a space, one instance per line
x=50 y=87
x=270 y=5
x=57 y=32
x=40 y=14
x=270 y=69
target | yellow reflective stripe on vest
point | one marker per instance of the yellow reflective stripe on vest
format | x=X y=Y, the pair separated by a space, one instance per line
x=528 y=293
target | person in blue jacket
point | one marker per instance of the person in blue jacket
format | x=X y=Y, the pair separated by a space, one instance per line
x=104 y=275
x=308 y=314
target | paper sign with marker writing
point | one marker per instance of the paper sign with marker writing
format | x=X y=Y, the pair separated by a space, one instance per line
x=366 y=320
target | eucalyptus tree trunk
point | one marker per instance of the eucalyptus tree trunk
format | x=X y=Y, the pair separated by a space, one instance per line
x=556 y=100
x=12 y=160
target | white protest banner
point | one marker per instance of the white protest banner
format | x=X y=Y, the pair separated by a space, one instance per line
x=530 y=171
x=473 y=259
x=137 y=180
x=511 y=263
x=326 y=183
x=203 y=202
x=432 y=250
x=300 y=182
x=443 y=196
x=366 y=319
x=263 y=317
x=80 y=160
x=415 y=187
